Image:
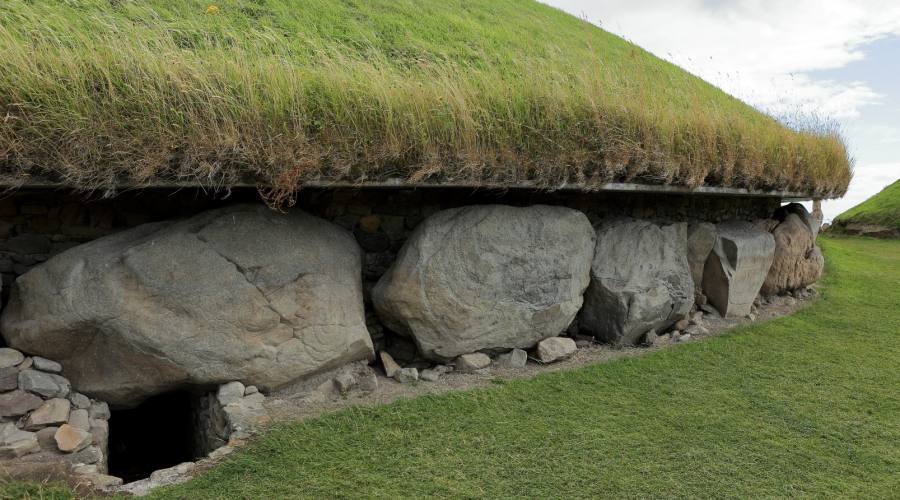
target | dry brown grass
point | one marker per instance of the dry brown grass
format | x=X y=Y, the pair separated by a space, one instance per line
x=100 y=93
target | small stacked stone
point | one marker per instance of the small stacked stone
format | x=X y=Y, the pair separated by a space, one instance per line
x=41 y=418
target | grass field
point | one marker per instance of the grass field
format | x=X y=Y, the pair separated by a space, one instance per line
x=806 y=405
x=505 y=91
x=883 y=209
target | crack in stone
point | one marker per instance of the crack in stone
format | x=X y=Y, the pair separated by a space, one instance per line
x=244 y=272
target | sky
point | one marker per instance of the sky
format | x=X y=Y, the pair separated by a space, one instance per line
x=838 y=59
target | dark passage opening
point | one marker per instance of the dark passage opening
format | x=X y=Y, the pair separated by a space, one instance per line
x=155 y=435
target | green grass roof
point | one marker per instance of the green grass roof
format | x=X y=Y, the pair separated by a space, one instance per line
x=511 y=92
x=883 y=209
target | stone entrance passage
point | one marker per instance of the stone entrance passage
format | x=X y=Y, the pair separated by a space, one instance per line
x=157 y=434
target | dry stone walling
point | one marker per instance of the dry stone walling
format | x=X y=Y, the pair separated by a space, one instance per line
x=45 y=424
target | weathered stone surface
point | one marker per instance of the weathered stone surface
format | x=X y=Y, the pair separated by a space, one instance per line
x=487 y=277
x=700 y=240
x=344 y=382
x=230 y=392
x=390 y=366
x=47 y=437
x=817 y=214
x=48 y=385
x=640 y=281
x=240 y=293
x=79 y=400
x=809 y=220
x=407 y=375
x=10 y=357
x=798 y=262
x=99 y=410
x=80 y=420
x=103 y=481
x=53 y=412
x=430 y=375
x=737 y=267
x=9 y=378
x=468 y=363
x=100 y=431
x=16 y=403
x=163 y=477
x=46 y=365
x=89 y=455
x=517 y=358
x=15 y=443
x=70 y=439
x=556 y=349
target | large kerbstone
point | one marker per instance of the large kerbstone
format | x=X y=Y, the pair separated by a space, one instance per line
x=737 y=267
x=640 y=280
x=700 y=240
x=240 y=293
x=809 y=220
x=798 y=262
x=487 y=278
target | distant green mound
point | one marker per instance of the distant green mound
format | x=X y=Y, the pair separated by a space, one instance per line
x=508 y=92
x=878 y=214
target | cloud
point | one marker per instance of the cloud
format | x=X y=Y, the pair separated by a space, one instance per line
x=883 y=134
x=758 y=50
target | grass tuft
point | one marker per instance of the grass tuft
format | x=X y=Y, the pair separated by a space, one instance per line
x=97 y=92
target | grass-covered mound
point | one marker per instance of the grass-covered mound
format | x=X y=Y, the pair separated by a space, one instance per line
x=883 y=209
x=509 y=92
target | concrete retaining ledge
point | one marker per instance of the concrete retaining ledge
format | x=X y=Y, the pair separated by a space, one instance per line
x=398 y=183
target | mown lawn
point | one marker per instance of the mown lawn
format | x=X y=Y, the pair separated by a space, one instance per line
x=807 y=405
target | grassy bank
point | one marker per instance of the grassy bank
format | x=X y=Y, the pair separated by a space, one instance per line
x=883 y=209
x=502 y=91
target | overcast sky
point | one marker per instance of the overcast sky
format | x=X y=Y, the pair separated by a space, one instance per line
x=838 y=58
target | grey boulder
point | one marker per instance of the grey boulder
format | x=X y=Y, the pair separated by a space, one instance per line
x=556 y=349
x=517 y=358
x=700 y=240
x=797 y=262
x=640 y=280
x=811 y=221
x=737 y=267
x=240 y=293
x=487 y=278
x=468 y=363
